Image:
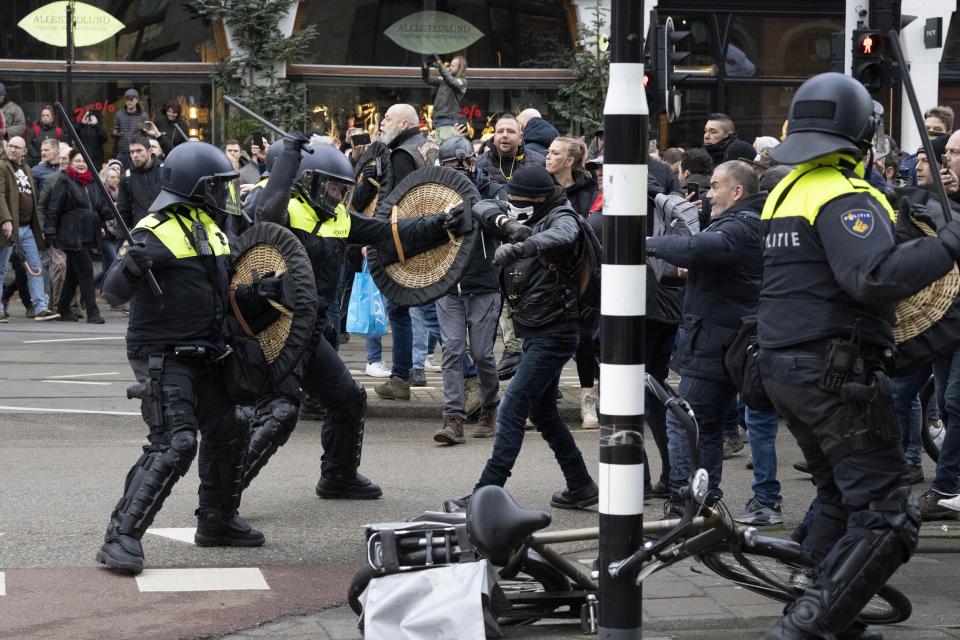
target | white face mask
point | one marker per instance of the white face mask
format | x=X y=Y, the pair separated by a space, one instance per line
x=519 y=213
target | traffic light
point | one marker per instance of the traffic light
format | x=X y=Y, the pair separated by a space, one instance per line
x=869 y=66
x=666 y=58
x=650 y=81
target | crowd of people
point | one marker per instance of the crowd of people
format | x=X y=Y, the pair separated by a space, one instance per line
x=796 y=229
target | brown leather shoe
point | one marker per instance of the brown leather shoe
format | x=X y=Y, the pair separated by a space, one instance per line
x=487 y=424
x=394 y=389
x=451 y=432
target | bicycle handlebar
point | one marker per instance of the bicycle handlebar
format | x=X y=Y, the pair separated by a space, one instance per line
x=679 y=407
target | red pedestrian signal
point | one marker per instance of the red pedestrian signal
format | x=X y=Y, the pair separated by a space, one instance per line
x=867 y=45
x=869 y=64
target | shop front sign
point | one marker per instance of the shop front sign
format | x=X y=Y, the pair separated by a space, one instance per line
x=49 y=24
x=433 y=32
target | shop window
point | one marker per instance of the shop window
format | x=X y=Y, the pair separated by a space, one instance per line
x=522 y=33
x=155 y=31
x=758 y=110
x=777 y=46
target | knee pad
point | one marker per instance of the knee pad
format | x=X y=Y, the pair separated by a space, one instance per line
x=356 y=404
x=183 y=447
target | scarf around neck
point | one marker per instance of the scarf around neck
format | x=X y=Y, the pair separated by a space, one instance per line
x=82 y=178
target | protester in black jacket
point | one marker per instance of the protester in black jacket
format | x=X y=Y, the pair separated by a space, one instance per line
x=724 y=263
x=537 y=132
x=507 y=154
x=92 y=135
x=718 y=134
x=73 y=218
x=140 y=184
x=172 y=125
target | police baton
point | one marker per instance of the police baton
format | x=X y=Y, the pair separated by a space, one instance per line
x=894 y=37
x=256 y=116
x=151 y=280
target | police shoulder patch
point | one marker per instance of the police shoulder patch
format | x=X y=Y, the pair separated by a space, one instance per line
x=859 y=222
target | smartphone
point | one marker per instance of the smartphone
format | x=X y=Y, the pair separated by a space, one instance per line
x=692 y=188
x=360 y=139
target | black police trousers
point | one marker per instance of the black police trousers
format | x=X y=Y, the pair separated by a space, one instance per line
x=325 y=378
x=867 y=522
x=180 y=398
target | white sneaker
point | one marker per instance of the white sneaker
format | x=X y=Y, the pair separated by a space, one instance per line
x=377 y=370
x=588 y=409
x=952 y=503
x=429 y=365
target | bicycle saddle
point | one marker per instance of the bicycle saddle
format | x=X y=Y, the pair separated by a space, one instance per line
x=497 y=525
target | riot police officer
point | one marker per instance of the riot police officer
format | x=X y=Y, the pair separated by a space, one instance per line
x=175 y=344
x=308 y=193
x=832 y=274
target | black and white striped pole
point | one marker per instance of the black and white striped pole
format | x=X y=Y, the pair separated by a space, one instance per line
x=623 y=307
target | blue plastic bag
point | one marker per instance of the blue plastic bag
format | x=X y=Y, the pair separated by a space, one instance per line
x=366 y=314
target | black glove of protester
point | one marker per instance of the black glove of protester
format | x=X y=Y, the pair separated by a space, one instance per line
x=295 y=140
x=950 y=237
x=509 y=253
x=516 y=231
x=136 y=261
x=269 y=286
x=369 y=171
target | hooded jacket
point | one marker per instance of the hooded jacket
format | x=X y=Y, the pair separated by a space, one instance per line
x=538 y=134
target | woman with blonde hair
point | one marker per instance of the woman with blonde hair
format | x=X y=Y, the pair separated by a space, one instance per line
x=565 y=162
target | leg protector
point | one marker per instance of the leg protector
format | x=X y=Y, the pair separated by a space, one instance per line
x=276 y=417
x=342 y=435
x=149 y=483
x=878 y=540
x=221 y=475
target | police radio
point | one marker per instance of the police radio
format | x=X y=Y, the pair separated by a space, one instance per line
x=843 y=359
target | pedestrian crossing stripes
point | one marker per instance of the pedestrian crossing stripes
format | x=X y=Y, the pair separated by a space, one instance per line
x=3 y=583
x=181 y=534
x=202 y=579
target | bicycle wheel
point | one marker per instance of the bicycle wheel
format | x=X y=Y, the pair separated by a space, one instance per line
x=930 y=435
x=779 y=570
x=357 y=586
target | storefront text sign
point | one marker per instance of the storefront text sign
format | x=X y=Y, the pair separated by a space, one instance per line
x=49 y=24
x=433 y=32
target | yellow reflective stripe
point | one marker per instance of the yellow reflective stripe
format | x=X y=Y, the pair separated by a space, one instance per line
x=812 y=186
x=167 y=231
x=303 y=217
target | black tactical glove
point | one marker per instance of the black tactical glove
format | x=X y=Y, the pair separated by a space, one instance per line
x=916 y=211
x=950 y=237
x=509 y=253
x=459 y=220
x=516 y=231
x=295 y=140
x=269 y=286
x=136 y=261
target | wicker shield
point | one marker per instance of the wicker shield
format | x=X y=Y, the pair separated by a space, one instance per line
x=268 y=247
x=928 y=322
x=429 y=275
x=378 y=154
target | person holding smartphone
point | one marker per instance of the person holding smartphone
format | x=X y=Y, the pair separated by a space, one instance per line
x=92 y=135
x=128 y=123
x=451 y=88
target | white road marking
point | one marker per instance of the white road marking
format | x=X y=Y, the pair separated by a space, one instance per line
x=78 y=382
x=181 y=534
x=84 y=375
x=3 y=584
x=206 y=579
x=75 y=339
x=79 y=411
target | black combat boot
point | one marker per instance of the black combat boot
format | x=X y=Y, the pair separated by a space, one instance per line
x=215 y=530
x=121 y=552
x=341 y=485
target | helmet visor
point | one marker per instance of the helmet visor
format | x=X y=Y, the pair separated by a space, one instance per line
x=325 y=193
x=222 y=193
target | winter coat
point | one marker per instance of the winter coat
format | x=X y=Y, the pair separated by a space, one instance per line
x=582 y=192
x=450 y=91
x=74 y=214
x=491 y=163
x=137 y=191
x=538 y=134
x=36 y=134
x=169 y=129
x=125 y=127
x=13 y=118
x=10 y=203
x=93 y=137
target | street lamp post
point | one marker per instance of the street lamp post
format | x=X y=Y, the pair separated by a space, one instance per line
x=70 y=51
x=623 y=307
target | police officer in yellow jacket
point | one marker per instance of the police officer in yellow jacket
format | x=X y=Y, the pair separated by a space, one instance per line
x=308 y=192
x=175 y=345
x=832 y=274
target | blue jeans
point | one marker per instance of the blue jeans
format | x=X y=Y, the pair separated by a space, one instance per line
x=108 y=253
x=947 y=478
x=712 y=402
x=906 y=404
x=762 y=429
x=374 y=349
x=402 y=339
x=426 y=332
x=533 y=392
x=34 y=282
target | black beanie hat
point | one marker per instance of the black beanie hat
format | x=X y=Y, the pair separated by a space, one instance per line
x=739 y=150
x=939 y=145
x=531 y=181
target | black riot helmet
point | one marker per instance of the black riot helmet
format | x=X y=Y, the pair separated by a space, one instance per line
x=830 y=112
x=325 y=179
x=198 y=174
x=456 y=149
x=272 y=152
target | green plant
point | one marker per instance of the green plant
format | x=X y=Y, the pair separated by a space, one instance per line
x=581 y=101
x=249 y=72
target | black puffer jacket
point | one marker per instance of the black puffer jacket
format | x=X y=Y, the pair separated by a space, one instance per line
x=74 y=214
x=582 y=192
x=538 y=134
x=497 y=169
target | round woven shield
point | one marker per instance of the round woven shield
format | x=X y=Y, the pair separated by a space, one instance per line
x=923 y=309
x=266 y=247
x=429 y=275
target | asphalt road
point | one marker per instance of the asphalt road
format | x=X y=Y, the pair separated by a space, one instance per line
x=69 y=436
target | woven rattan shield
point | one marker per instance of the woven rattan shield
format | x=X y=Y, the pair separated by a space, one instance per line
x=267 y=247
x=928 y=322
x=427 y=276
